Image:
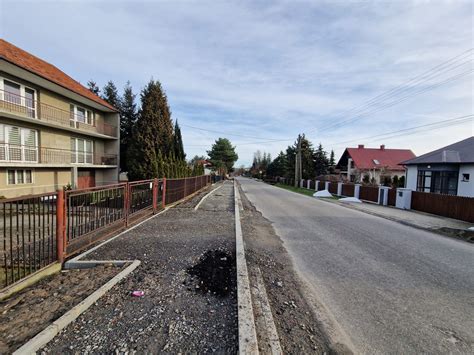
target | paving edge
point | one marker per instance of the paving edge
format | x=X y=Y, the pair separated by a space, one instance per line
x=247 y=332
x=45 y=336
x=207 y=195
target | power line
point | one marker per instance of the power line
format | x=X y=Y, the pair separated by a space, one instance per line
x=437 y=68
x=393 y=103
x=381 y=98
x=371 y=105
x=406 y=131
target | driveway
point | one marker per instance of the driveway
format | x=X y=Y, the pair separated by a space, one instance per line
x=390 y=287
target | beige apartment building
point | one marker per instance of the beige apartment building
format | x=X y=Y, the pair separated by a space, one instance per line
x=54 y=132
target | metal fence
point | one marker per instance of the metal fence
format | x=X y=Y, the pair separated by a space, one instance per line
x=92 y=209
x=177 y=189
x=28 y=235
x=38 y=230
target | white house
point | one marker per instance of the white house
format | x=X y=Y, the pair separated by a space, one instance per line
x=448 y=170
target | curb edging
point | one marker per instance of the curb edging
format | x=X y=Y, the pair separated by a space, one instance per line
x=46 y=335
x=247 y=333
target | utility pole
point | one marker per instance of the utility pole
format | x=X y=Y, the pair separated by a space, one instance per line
x=298 y=163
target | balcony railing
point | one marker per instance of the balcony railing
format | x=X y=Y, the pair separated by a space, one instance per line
x=35 y=109
x=13 y=153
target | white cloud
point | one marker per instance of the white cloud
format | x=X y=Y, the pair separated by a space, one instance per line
x=266 y=70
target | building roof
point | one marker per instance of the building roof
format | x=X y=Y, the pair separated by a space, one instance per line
x=457 y=153
x=27 y=61
x=370 y=158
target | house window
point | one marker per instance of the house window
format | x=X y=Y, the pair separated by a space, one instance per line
x=22 y=98
x=465 y=177
x=440 y=182
x=80 y=115
x=376 y=162
x=18 y=144
x=19 y=176
x=81 y=151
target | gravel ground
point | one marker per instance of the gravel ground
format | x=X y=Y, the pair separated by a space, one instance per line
x=299 y=330
x=28 y=312
x=189 y=283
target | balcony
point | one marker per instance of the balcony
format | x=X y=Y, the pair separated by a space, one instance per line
x=18 y=154
x=36 y=110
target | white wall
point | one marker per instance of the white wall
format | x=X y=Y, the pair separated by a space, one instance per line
x=466 y=188
x=411 y=176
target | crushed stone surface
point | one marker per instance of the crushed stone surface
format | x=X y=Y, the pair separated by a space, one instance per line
x=174 y=315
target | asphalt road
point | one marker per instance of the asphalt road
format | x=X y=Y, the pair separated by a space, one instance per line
x=390 y=287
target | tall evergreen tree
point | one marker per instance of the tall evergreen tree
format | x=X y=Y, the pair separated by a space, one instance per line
x=152 y=135
x=321 y=161
x=332 y=158
x=128 y=118
x=178 y=143
x=111 y=95
x=92 y=86
x=222 y=154
x=279 y=166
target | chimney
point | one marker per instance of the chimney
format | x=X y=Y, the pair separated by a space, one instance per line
x=382 y=147
x=361 y=146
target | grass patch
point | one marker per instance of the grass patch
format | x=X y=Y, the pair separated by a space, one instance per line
x=303 y=191
x=299 y=190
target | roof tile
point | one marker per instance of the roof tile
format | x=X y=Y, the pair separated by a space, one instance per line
x=27 y=61
x=388 y=158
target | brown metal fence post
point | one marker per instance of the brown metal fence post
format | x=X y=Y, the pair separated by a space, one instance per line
x=155 y=195
x=184 y=190
x=60 y=230
x=163 y=199
x=127 y=203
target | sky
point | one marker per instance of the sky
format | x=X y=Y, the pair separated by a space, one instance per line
x=261 y=72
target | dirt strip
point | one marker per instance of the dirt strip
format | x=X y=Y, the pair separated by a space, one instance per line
x=188 y=279
x=299 y=330
x=28 y=312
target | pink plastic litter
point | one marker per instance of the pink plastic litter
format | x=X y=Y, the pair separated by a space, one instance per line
x=138 y=293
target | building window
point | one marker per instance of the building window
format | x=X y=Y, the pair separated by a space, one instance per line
x=19 y=176
x=21 y=98
x=81 y=151
x=465 y=177
x=18 y=144
x=80 y=115
x=440 y=182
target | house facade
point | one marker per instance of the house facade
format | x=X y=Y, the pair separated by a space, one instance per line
x=448 y=170
x=53 y=131
x=376 y=163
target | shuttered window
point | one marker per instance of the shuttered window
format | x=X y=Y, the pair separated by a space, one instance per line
x=18 y=144
x=19 y=176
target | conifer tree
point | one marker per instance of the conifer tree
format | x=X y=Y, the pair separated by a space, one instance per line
x=111 y=95
x=92 y=86
x=128 y=118
x=178 y=143
x=143 y=150
x=332 y=159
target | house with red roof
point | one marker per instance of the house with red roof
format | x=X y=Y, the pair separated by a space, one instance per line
x=377 y=163
x=53 y=131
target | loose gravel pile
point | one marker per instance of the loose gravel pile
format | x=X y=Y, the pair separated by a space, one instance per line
x=173 y=315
